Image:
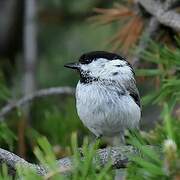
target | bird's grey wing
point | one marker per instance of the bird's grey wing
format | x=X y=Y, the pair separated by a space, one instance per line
x=133 y=91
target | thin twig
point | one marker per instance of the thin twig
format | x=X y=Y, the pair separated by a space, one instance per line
x=38 y=94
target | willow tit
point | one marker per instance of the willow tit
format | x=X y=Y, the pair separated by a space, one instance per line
x=107 y=99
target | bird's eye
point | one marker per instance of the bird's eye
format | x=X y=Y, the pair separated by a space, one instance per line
x=119 y=65
x=115 y=73
x=85 y=61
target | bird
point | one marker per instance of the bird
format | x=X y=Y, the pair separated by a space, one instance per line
x=107 y=98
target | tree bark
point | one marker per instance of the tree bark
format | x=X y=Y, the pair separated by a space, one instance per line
x=119 y=156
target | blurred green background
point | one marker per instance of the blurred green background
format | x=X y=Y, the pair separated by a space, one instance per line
x=61 y=32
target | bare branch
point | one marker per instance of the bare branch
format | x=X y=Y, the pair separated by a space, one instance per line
x=11 y=160
x=167 y=18
x=117 y=155
x=38 y=94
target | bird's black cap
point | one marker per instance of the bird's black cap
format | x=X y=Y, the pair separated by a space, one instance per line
x=94 y=55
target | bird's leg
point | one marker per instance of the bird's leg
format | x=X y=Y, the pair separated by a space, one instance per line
x=122 y=139
x=119 y=140
x=120 y=173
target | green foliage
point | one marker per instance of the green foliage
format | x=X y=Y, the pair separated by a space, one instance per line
x=166 y=64
x=58 y=122
x=87 y=168
x=4 y=173
x=158 y=162
x=165 y=162
x=169 y=129
x=4 y=92
x=83 y=168
x=63 y=40
x=7 y=136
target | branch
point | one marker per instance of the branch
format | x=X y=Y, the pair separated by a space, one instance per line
x=150 y=32
x=168 y=18
x=117 y=155
x=38 y=94
x=11 y=160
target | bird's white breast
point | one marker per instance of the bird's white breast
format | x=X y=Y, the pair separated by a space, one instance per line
x=106 y=110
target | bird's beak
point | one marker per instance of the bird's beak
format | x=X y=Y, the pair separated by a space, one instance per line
x=72 y=65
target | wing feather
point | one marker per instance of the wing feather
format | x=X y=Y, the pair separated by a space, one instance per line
x=133 y=91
